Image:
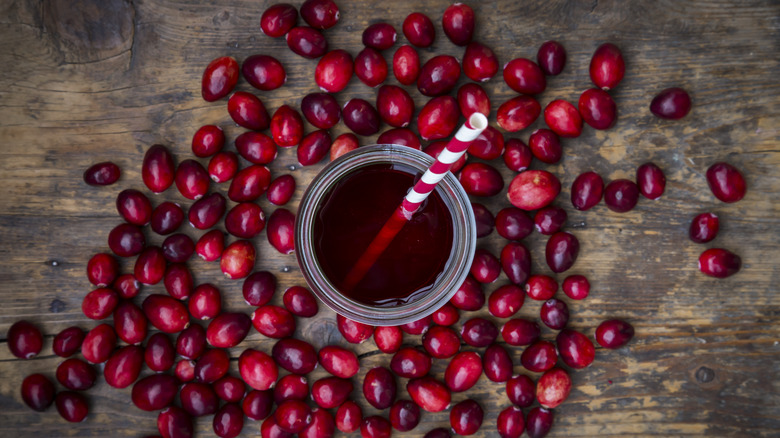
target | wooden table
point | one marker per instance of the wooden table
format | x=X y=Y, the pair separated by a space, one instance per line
x=91 y=80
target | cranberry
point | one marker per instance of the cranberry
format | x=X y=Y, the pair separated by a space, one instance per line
x=671 y=103
x=339 y=361
x=533 y=189
x=404 y=415
x=518 y=113
x=102 y=174
x=321 y=110
x=614 y=333
x=406 y=65
x=438 y=118
x=513 y=223
x=375 y=426
x=230 y=388
x=473 y=98
x=438 y=75
x=314 y=147
x=278 y=19
x=264 y=72
x=273 y=321
x=99 y=303
x=300 y=302
x=228 y=329
x=248 y=111
x=256 y=147
x=553 y=388
x=478 y=332
x=417 y=327
x=545 y=146
x=419 y=30
x=280 y=231
x=343 y=144
x=127 y=286
x=458 y=22
x=576 y=287
x=563 y=118
x=223 y=166
x=575 y=349
x=130 y=323
x=165 y=313
x=159 y=354
x=166 y=218
x=99 y=343
x=510 y=423
x=484 y=219
x=66 y=343
x=307 y=42
x=37 y=392
x=506 y=301
x=219 y=78
x=516 y=262
x=330 y=392
x=719 y=263
x=561 y=251
x=76 y=375
x=270 y=429
x=291 y=387
x=520 y=390
x=469 y=295
x=479 y=62
x=651 y=180
x=178 y=248
x=353 y=331
x=370 y=67
x=198 y=399
x=134 y=207
x=394 y=105
x=587 y=190
x=439 y=432
x=517 y=155
x=286 y=126
x=704 y=227
x=463 y=371
x=409 y=363
x=258 y=369
x=157 y=172
x=607 y=66
x=388 y=339
x=539 y=356
x=549 y=220
x=481 y=179
x=726 y=182
x=184 y=370
x=207 y=141
x=294 y=355
x=228 y=421
x=488 y=145
x=292 y=416
x=430 y=394
x=258 y=405
x=466 y=417
x=322 y=425
x=441 y=342
x=621 y=195
x=400 y=136
x=245 y=220
x=497 y=363
x=348 y=417
x=541 y=287
x=524 y=76
x=72 y=406
x=597 y=108
x=215 y=363
x=379 y=36
x=379 y=387
x=322 y=14
x=551 y=57
x=485 y=267
x=238 y=259
x=211 y=245
x=155 y=392
x=334 y=70
x=361 y=117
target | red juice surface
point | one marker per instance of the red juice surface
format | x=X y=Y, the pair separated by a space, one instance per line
x=350 y=216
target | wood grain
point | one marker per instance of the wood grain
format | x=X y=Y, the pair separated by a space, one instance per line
x=86 y=81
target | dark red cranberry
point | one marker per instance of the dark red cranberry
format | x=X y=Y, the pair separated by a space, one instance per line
x=597 y=108
x=379 y=36
x=551 y=58
x=545 y=146
x=521 y=390
x=517 y=155
x=497 y=363
x=466 y=417
x=228 y=421
x=198 y=399
x=178 y=248
x=307 y=42
x=375 y=426
x=726 y=182
x=248 y=111
x=166 y=313
x=510 y=423
x=370 y=67
x=76 y=375
x=485 y=267
x=403 y=137
x=207 y=141
x=322 y=425
x=539 y=356
x=479 y=332
x=258 y=405
x=621 y=195
x=379 y=387
x=278 y=19
x=438 y=118
x=484 y=219
x=292 y=416
x=72 y=406
x=488 y=145
x=506 y=301
x=463 y=371
x=524 y=76
x=441 y=342
x=178 y=281
x=719 y=263
x=219 y=78
x=549 y=220
x=67 y=342
x=291 y=387
x=286 y=126
x=259 y=288
x=155 y=392
x=439 y=432
x=404 y=415
x=458 y=22
x=322 y=14
x=671 y=103
x=587 y=190
x=479 y=62
x=516 y=262
x=281 y=189
x=331 y=392
x=230 y=388
x=513 y=223
x=300 y=301
x=469 y=295
x=256 y=147
x=167 y=218
x=576 y=287
x=249 y=183
x=419 y=29
x=353 y=332
x=99 y=303
x=361 y=117
x=159 y=353
x=430 y=394
x=408 y=362
x=607 y=66
x=575 y=349
x=191 y=342
x=223 y=166
x=280 y=230
x=417 y=327
x=348 y=417
x=541 y=287
x=438 y=75
x=561 y=251
x=651 y=180
x=270 y=429
x=313 y=148
x=264 y=72
x=134 y=207
x=228 y=329
x=211 y=245
x=99 y=343
x=481 y=179
x=394 y=105
x=704 y=227
x=102 y=174
x=339 y=361
x=533 y=189
x=538 y=422
x=406 y=65
x=614 y=333
x=130 y=323
x=321 y=110
x=473 y=98
x=295 y=355
x=37 y=392
x=127 y=286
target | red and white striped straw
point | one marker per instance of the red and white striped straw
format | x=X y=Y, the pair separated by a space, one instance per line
x=455 y=149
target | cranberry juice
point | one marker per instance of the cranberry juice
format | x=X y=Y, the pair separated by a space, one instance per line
x=350 y=216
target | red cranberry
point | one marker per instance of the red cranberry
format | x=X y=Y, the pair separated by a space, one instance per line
x=245 y=220
x=295 y=355
x=485 y=267
x=184 y=370
x=517 y=155
x=379 y=387
x=488 y=145
x=219 y=78
x=469 y=295
x=533 y=189
x=379 y=36
x=576 y=287
x=307 y=42
x=518 y=113
x=155 y=392
x=607 y=66
x=549 y=220
x=273 y=321
x=441 y=342
x=361 y=117
x=127 y=286
x=76 y=375
x=321 y=110
x=37 y=392
x=539 y=356
x=292 y=416
x=473 y=98
x=99 y=343
x=215 y=363
x=322 y=14
x=404 y=415
x=238 y=259
x=348 y=417
x=651 y=180
x=178 y=248
x=417 y=327
x=438 y=75
x=575 y=349
x=587 y=190
x=99 y=303
x=438 y=118
x=671 y=103
x=334 y=70
x=102 y=174
x=466 y=417
x=230 y=388
x=478 y=332
x=280 y=230
x=157 y=171
x=563 y=118
x=513 y=223
x=481 y=179
x=553 y=388
x=223 y=166
x=614 y=333
x=521 y=390
x=72 y=406
x=166 y=218
x=726 y=182
x=269 y=429
x=330 y=392
x=538 y=422
x=343 y=144
x=479 y=62
x=704 y=227
x=165 y=313
x=541 y=287
x=353 y=332
x=597 y=108
x=66 y=343
x=211 y=245
x=524 y=76
x=248 y=111
x=258 y=369
x=430 y=394
x=205 y=302
x=545 y=146
x=228 y=421
x=551 y=58
x=300 y=302
x=388 y=339
x=259 y=288
x=497 y=363
x=134 y=207
x=561 y=251
x=228 y=329
x=458 y=22
x=463 y=371
x=286 y=126
x=484 y=219
x=370 y=67
x=516 y=262
x=322 y=425
x=394 y=105
x=278 y=19
x=291 y=387
x=400 y=136
x=130 y=323
x=375 y=426
x=510 y=423
x=406 y=65
x=506 y=301
x=409 y=363
x=264 y=72
x=339 y=361
x=258 y=405
x=621 y=195
x=159 y=354
x=419 y=30
x=198 y=399
x=207 y=141
x=719 y=263
x=313 y=148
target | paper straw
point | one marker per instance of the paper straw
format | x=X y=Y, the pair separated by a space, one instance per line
x=455 y=149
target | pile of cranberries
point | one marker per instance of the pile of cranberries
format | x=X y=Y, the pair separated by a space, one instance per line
x=192 y=365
